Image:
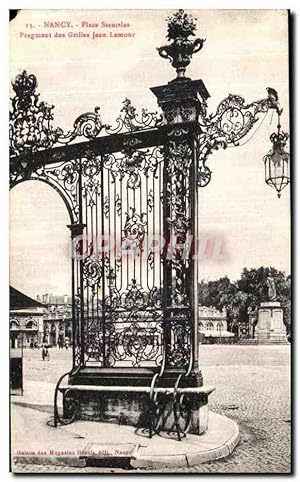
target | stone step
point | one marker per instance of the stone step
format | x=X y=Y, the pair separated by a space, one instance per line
x=262 y=342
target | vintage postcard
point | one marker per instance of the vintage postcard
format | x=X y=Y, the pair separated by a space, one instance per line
x=150 y=272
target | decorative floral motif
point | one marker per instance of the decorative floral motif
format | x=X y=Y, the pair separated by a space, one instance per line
x=91 y=164
x=180 y=224
x=177 y=197
x=134 y=298
x=134 y=229
x=181 y=155
x=92 y=271
x=131 y=167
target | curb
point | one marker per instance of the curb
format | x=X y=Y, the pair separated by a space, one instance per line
x=188 y=460
x=50 y=460
x=184 y=459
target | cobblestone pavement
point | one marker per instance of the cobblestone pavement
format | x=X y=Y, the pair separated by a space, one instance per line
x=252 y=387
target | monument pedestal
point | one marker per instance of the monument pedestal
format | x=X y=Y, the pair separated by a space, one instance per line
x=270 y=327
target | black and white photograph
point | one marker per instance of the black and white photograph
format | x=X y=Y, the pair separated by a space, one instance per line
x=150 y=319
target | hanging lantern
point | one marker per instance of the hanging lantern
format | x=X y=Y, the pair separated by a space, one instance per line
x=277 y=161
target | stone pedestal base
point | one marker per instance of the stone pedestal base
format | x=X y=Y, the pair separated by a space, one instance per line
x=270 y=327
x=133 y=408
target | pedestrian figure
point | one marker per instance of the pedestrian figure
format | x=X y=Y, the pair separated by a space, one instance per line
x=45 y=353
x=47 y=356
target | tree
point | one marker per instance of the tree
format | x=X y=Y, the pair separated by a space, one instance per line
x=253 y=281
x=216 y=293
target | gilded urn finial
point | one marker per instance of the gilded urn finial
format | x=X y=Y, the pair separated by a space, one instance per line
x=180 y=51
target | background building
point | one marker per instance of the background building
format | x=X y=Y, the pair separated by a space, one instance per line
x=57 y=321
x=26 y=320
x=44 y=320
x=213 y=323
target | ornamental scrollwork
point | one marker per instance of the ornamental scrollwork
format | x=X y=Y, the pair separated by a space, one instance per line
x=62 y=176
x=92 y=272
x=76 y=336
x=135 y=297
x=31 y=121
x=232 y=121
x=133 y=324
x=113 y=299
x=178 y=352
x=140 y=343
x=204 y=176
x=150 y=200
x=135 y=338
x=105 y=207
x=91 y=164
x=135 y=229
x=94 y=345
x=118 y=204
x=88 y=125
x=91 y=189
x=130 y=121
x=179 y=157
x=131 y=167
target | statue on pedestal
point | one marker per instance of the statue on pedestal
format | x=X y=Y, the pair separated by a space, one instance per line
x=270 y=327
x=271 y=288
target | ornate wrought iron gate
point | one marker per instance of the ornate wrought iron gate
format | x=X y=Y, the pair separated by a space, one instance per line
x=132 y=195
x=118 y=282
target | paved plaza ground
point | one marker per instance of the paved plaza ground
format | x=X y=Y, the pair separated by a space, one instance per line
x=252 y=387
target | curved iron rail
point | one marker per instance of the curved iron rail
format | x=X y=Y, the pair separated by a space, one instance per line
x=178 y=401
x=154 y=406
x=57 y=417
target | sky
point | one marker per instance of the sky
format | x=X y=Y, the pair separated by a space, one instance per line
x=245 y=52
